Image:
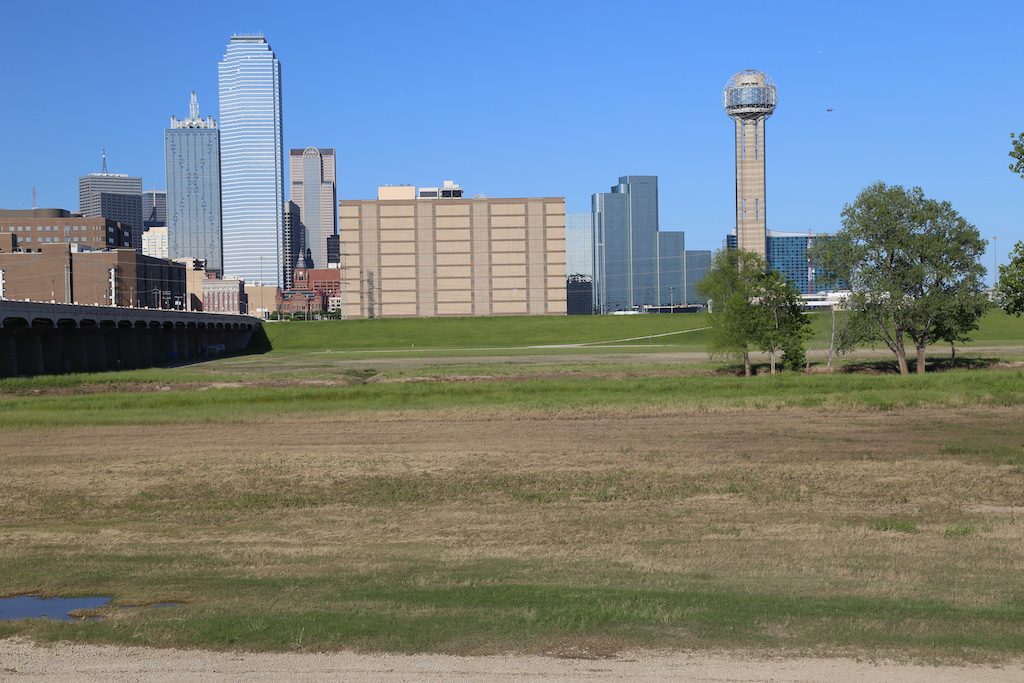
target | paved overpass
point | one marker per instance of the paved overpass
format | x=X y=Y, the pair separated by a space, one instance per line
x=40 y=338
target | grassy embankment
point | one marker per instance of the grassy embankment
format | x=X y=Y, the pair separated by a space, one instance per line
x=861 y=514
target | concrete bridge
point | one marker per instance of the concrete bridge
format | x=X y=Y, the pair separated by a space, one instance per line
x=40 y=338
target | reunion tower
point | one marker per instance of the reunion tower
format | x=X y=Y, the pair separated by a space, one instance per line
x=749 y=99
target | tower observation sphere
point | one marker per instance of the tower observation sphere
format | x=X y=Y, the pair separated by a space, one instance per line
x=750 y=94
x=749 y=99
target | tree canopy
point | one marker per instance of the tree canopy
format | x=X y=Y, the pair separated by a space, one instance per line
x=913 y=265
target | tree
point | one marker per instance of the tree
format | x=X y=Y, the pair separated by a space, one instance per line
x=958 y=319
x=910 y=262
x=844 y=331
x=730 y=286
x=1010 y=288
x=780 y=322
x=1017 y=153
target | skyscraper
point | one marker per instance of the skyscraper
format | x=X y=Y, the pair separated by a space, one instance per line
x=115 y=196
x=313 y=190
x=154 y=208
x=252 y=161
x=749 y=99
x=626 y=239
x=192 y=162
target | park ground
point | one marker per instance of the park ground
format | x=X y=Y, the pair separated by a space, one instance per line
x=575 y=503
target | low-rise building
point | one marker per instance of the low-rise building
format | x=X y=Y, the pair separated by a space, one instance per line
x=304 y=301
x=74 y=273
x=224 y=296
x=34 y=228
x=405 y=256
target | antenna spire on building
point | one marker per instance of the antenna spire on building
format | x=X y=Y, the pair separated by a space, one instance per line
x=104 y=161
x=193 y=107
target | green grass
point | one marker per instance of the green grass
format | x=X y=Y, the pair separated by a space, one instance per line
x=397 y=334
x=482 y=333
x=493 y=606
x=902 y=525
x=689 y=393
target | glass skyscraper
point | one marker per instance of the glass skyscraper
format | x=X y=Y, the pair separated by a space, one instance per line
x=252 y=161
x=626 y=241
x=192 y=159
x=314 y=192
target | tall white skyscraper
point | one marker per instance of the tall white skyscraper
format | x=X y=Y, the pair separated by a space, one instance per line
x=252 y=161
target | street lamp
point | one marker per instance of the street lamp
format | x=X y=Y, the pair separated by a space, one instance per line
x=995 y=262
x=263 y=310
x=672 y=298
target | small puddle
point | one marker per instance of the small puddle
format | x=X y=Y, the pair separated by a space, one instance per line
x=35 y=607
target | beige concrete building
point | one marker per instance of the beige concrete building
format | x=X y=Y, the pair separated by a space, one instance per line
x=154 y=241
x=404 y=256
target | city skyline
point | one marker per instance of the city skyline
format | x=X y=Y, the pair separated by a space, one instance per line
x=523 y=122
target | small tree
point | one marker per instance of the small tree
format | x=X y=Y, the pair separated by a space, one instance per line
x=959 y=318
x=833 y=260
x=781 y=325
x=730 y=286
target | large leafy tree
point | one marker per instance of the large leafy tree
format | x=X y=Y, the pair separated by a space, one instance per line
x=1010 y=287
x=910 y=262
x=730 y=287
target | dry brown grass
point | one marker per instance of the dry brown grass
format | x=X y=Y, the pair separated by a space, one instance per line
x=776 y=501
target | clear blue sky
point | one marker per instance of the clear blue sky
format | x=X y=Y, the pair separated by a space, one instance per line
x=544 y=98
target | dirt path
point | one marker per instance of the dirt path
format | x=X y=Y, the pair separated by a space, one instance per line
x=22 y=661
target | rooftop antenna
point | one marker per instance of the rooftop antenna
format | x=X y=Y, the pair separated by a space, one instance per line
x=193 y=107
x=33 y=198
x=104 y=161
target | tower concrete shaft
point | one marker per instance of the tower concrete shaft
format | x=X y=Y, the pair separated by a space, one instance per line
x=749 y=99
x=750 y=185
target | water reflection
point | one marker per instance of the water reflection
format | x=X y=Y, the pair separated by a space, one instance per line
x=35 y=607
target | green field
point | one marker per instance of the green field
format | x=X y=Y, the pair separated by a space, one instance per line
x=575 y=501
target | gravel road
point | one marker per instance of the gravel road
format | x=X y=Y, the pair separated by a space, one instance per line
x=21 y=661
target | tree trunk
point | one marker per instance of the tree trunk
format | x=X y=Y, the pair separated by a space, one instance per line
x=901 y=359
x=773 y=360
x=920 y=357
x=952 y=360
x=831 y=343
x=746 y=364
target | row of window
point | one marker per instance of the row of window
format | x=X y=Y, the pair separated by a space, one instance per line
x=57 y=239
x=47 y=228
